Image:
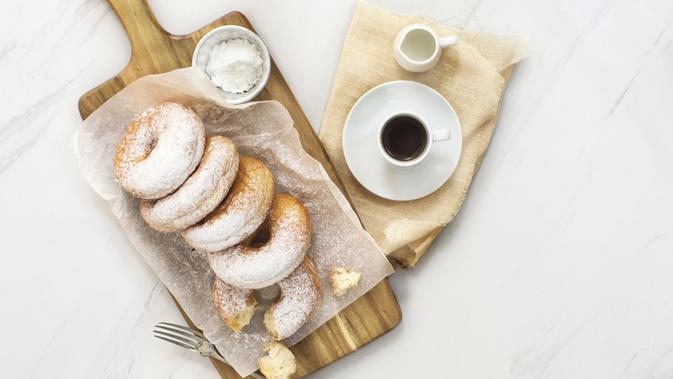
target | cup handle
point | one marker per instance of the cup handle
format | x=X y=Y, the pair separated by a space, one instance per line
x=448 y=41
x=441 y=135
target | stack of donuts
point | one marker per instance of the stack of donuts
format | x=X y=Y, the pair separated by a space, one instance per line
x=223 y=205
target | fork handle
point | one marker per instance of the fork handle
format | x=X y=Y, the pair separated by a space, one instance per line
x=218 y=357
x=213 y=353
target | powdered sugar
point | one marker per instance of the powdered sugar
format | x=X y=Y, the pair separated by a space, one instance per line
x=257 y=267
x=235 y=65
x=242 y=212
x=300 y=293
x=159 y=150
x=230 y=301
x=262 y=130
x=200 y=194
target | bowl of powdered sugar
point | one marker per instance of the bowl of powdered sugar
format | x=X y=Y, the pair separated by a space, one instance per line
x=236 y=61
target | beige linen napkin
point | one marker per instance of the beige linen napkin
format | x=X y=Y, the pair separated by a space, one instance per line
x=471 y=75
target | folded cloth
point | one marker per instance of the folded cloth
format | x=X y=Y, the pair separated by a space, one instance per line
x=472 y=75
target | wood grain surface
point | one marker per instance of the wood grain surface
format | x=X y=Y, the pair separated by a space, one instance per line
x=155 y=51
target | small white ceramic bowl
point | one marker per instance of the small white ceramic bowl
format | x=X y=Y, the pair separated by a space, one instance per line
x=224 y=33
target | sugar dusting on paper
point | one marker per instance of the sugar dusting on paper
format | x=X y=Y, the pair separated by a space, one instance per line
x=262 y=130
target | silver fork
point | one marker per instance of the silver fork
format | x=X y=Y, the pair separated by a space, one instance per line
x=189 y=339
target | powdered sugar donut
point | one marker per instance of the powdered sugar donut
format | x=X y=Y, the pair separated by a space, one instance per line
x=248 y=265
x=300 y=295
x=159 y=150
x=200 y=194
x=235 y=306
x=242 y=212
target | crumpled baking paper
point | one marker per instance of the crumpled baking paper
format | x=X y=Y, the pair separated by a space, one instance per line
x=264 y=131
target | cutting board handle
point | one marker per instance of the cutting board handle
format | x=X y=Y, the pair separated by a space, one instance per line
x=138 y=21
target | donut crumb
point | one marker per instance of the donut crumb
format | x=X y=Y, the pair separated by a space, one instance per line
x=279 y=363
x=343 y=280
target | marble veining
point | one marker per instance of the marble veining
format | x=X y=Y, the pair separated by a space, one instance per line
x=557 y=267
x=40 y=66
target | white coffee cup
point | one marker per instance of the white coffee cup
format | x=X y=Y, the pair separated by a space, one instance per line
x=417 y=47
x=416 y=127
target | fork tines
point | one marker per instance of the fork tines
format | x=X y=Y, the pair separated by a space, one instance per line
x=179 y=335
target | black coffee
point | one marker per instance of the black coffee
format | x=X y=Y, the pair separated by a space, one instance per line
x=404 y=138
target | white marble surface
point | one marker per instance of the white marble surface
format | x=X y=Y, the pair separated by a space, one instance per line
x=559 y=265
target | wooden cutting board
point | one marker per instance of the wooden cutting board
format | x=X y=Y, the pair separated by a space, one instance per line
x=155 y=51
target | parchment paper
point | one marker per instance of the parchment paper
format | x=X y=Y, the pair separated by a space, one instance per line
x=262 y=130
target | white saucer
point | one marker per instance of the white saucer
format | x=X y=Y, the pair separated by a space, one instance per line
x=361 y=134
